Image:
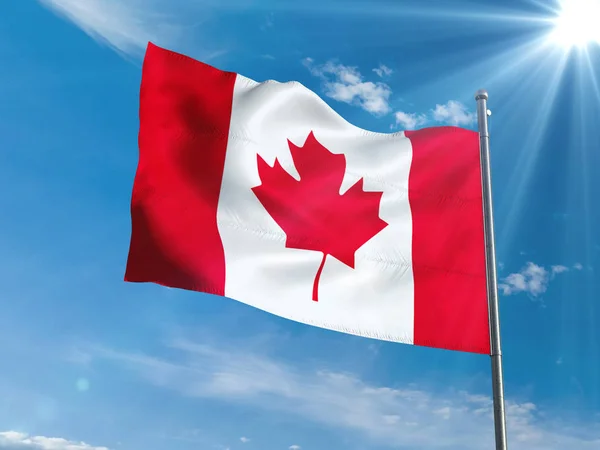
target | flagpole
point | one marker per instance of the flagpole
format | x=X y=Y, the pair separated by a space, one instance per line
x=490 y=262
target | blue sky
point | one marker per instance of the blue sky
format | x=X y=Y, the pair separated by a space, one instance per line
x=88 y=358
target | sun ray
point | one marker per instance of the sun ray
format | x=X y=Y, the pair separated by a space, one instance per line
x=589 y=66
x=584 y=160
x=514 y=197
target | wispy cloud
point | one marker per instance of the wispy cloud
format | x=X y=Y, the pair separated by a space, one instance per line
x=531 y=279
x=407 y=416
x=346 y=84
x=13 y=440
x=383 y=70
x=558 y=269
x=294 y=447
x=128 y=25
x=268 y=22
x=244 y=440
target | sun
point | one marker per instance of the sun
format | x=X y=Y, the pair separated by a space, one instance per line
x=577 y=24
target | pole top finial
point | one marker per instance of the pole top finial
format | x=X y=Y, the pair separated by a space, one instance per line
x=481 y=94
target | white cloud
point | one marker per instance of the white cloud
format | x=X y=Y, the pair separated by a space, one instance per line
x=383 y=70
x=559 y=269
x=128 y=25
x=244 y=440
x=531 y=279
x=346 y=84
x=409 y=121
x=453 y=113
x=295 y=447
x=13 y=440
x=401 y=416
x=578 y=266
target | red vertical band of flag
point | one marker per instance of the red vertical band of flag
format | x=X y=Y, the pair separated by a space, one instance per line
x=185 y=109
x=448 y=263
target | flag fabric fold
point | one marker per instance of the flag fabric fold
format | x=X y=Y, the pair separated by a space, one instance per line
x=260 y=192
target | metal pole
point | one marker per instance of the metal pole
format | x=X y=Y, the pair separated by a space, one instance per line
x=490 y=262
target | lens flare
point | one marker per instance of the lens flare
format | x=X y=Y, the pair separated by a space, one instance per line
x=577 y=24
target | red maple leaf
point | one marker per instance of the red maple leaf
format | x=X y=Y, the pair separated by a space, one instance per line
x=312 y=212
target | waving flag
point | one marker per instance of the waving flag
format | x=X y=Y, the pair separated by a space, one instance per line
x=260 y=192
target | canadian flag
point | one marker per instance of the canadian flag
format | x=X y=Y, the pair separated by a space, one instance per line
x=260 y=192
